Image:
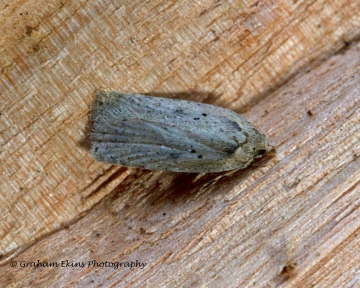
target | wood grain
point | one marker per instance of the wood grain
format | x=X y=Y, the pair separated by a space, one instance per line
x=291 y=68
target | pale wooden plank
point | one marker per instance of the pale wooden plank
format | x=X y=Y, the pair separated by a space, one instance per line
x=234 y=230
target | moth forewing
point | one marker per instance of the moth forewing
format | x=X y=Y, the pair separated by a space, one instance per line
x=171 y=135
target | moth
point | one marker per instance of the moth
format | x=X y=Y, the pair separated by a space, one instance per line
x=156 y=133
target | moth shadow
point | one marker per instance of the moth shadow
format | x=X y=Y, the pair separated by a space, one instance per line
x=85 y=142
x=164 y=188
x=209 y=185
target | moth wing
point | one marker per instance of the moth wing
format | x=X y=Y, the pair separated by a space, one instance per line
x=164 y=134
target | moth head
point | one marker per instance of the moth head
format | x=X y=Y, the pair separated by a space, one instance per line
x=265 y=148
x=261 y=152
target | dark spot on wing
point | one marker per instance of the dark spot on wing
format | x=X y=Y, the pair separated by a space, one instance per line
x=175 y=155
x=179 y=111
x=231 y=150
x=234 y=125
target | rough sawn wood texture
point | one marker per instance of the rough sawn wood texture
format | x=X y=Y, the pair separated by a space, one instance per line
x=290 y=67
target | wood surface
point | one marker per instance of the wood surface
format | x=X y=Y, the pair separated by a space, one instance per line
x=290 y=67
